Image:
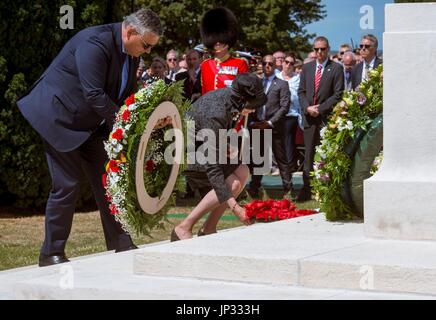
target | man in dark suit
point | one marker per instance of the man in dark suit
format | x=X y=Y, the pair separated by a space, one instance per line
x=321 y=87
x=368 y=51
x=272 y=117
x=191 y=77
x=72 y=106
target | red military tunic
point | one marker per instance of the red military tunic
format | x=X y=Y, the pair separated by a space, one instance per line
x=216 y=74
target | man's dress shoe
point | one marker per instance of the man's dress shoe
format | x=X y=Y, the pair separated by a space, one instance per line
x=132 y=247
x=45 y=260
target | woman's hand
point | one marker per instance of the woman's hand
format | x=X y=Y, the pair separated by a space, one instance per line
x=162 y=123
x=241 y=214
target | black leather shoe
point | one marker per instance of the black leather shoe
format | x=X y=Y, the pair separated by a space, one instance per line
x=45 y=260
x=132 y=247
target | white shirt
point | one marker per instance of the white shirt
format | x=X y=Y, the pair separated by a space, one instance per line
x=371 y=66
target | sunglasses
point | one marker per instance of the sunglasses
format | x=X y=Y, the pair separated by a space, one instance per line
x=146 y=45
x=366 y=46
x=289 y=62
x=171 y=59
x=267 y=63
x=318 y=49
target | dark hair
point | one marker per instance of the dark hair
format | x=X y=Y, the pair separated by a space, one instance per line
x=321 y=38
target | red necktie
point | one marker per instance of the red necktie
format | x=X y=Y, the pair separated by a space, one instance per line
x=317 y=81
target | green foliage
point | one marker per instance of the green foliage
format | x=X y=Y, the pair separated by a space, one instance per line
x=31 y=38
x=332 y=160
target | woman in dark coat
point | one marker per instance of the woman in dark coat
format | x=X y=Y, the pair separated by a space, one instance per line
x=217 y=110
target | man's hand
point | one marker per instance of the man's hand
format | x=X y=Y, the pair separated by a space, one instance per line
x=313 y=110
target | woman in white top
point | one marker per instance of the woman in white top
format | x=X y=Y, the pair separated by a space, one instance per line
x=293 y=117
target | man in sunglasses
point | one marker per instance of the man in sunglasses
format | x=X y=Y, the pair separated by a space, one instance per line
x=368 y=52
x=321 y=88
x=345 y=47
x=173 y=64
x=271 y=116
x=73 y=106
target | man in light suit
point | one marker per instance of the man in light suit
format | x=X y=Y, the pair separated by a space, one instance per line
x=73 y=106
x=272 y=117
x=368 y=52
x=321 y=88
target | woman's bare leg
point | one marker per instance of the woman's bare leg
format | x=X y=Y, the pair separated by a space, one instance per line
x=208 y=204
x=242 y=173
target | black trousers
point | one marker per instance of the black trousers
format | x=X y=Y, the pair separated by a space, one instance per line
x=290 y=131
x=67 y=170
x=311 y=140
x=279 y=151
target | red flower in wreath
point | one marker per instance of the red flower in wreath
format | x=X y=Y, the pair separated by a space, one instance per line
x=113 y=209
x=118 y=134
x=130 y=100
x=104 y=179
x=126 y=115
x=149 y=165
x=113 y=166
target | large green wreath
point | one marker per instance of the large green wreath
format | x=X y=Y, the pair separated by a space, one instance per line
x=122 y=150
x=350 y=142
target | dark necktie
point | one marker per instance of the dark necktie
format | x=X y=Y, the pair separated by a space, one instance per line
x=124 y=75
x=262 y=111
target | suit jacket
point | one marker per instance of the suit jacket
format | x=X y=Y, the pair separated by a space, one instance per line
x=278 y=101
x=329 y=92
x=189 y=88
x=356 y=72
x=80 y=88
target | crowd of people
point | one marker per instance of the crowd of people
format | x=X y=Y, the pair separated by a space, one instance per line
x=299 y=111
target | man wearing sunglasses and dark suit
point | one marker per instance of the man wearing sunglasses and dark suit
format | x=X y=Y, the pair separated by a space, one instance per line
x=368 y=52
x=321 y=88
x=271 y=116
x=72 y=106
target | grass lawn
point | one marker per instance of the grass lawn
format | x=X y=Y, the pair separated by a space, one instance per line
x=21 y=237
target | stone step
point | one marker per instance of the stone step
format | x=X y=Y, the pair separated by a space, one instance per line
x=110 y=276
x=302 y=252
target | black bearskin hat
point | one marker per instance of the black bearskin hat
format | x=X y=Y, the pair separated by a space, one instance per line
x=219 y=25
x=249 y=87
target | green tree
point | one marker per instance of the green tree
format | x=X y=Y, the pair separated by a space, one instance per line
x=266 y=25
x=31 y=37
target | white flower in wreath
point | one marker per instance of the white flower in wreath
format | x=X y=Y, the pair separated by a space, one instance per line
x=118 y=147
x=133 y=107
x=322 y=132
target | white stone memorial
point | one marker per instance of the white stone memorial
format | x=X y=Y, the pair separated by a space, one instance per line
x=400 y=199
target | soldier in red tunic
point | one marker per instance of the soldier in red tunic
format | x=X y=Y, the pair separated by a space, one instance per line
x=219 y=32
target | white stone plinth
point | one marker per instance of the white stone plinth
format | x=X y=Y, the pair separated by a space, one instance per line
x=400 y=199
